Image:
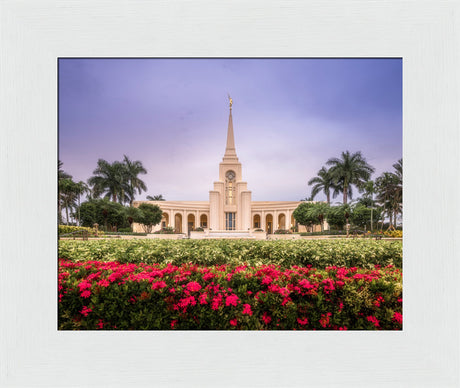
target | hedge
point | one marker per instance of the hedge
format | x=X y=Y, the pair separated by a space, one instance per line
x=112 y=296
x=363 y=253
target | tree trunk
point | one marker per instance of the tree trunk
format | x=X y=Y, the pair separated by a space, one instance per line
x=345 y=194
x=328 y=196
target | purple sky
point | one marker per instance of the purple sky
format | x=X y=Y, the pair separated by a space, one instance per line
x=289 y=117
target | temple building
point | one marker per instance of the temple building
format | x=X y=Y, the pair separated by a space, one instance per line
x=230 y=209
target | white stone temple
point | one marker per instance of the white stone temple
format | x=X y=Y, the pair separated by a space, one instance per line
x=230 y=209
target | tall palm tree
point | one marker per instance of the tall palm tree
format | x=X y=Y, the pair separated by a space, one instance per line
x=133 y=169
x=155 y=198
x=350 y=169
x=79 y=189
x=61 y=175
x=110 y=179
x=67 y=195
x=324 y=182
x=387 y=188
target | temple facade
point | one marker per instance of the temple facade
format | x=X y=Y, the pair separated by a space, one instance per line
x=230 y=206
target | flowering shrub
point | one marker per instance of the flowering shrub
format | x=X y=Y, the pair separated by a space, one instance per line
x=64 y=229
x=393 y=233
x=96 y=295
x=317 y=253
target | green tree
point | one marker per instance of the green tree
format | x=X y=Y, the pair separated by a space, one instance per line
x=155 y=198
x=101 y=211
x=362 y=216
x=132 y=171
x=389 y=195
x=318 y=213
x=339 y=215
x=303 y=215
x=67 y=196
x=110 y=179
x=324 y=182
x=61 y=185
x=149 y=216
x=349 y=170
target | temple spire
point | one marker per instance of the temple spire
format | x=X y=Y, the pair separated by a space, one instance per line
x=230 y=152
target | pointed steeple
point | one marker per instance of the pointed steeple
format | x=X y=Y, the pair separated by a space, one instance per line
x=230 y=152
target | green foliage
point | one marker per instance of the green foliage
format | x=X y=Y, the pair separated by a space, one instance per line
x=65 y=229
x=283 y=231
x=361 y=215
x=106 y=214
x=362 y=253
x=166 y=230
x=303 y=215
x=149 y=216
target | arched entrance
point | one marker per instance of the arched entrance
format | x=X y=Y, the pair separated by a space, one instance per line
x=269 y=223
x=256 y=222
x=293 y=224
x=178 y=223
x=281 y=221
x=165 y=220
x=190 y=222
x=204 y=221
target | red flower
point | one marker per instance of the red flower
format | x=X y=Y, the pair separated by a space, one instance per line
x=173 y=323
x=86 y=294
x=247 y=309
x=374 y=320
x=302 y=321
x=193 y=286
x=233 y=322
x=103 y=283
x=158 y=285
x=85 y=311
x=266 y=318
x=397 y=317
x=231 y=300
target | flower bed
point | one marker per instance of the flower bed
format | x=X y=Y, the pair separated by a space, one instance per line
x=113 y=296
x=317 y=253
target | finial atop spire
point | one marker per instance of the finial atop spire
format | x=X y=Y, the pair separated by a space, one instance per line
x=230 y=152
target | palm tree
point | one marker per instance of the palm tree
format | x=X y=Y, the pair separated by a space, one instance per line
x=387 y=189
x=324 y=181
x=155 y=198
x=61 y=175
x=133 y=169
x=351 y=169
x=67 y=195
x=110 y=180
x=79 y=189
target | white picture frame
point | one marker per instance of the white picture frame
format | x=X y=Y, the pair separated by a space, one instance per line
x=35 y=33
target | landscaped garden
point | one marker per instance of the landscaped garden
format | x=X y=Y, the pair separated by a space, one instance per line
x=237 y=284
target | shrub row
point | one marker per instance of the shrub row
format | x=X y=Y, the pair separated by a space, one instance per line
x=65 y=229
x=318 y=253
x=114 y=296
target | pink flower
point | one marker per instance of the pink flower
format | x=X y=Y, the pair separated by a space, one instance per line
x=216 y=302
x=305 y=284
x=324 y=321
x=233 y=322
x=158 y=285
x=203 y=298
x=86 y=294
x=85 y=311
x=100 y=325
x=247 y=309
x=267 y=280
x=397 y=317
x=103 y=283
x=302 y=321
x=84 y=285
x=193 y=286
x=231 y=300
x=173 y=323
x=208 y=276
x=374 y=320
x=266 y=318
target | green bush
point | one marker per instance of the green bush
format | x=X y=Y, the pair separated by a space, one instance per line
x=66 y=229
x=125 y=230
x=364 y=253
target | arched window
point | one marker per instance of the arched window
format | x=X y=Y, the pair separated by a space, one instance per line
x=230 y=198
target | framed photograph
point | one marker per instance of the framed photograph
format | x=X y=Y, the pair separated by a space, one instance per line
x=36 y=34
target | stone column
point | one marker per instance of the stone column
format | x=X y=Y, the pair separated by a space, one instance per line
x=262 y=221
x=287 y=220
x=184 y=221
